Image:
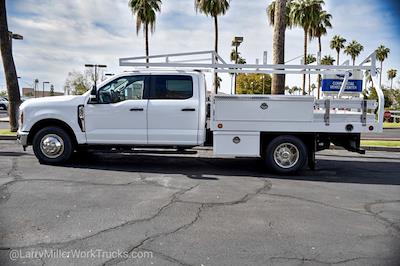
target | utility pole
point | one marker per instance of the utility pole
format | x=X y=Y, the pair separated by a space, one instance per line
x=10 y=73
x=44 y=82
x=95 y=66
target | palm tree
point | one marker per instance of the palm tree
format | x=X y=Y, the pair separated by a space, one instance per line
x=278 y=13
x=10 y=73
x=381 y=54
x=337 y=43
x=368 y=79
x=324 y=22
x=213 y=8
x=309 y=60
x=327 y=60
x=305 y=14
x=145 y=11
x=235 y=58
x=392 y=73
x=354 y=49
x=271 y=13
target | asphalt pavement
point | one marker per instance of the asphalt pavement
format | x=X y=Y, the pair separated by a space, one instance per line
x=193 y=209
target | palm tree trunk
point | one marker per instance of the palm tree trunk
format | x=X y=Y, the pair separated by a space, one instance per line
x=354 y=61
x=337 y=57
x=14 y=96
x=216 y=50
x=146 y=32
x=391 y=84
x=380 y=76
x=304 y=59
x=319 y=75
x=309 y=84
x=278 y=53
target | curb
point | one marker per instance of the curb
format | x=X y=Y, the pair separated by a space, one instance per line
x=377 y=139
x=6 y=137
x=376 y=148
x=370 y=148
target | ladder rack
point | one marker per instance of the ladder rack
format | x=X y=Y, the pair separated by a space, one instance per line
x=212 y=62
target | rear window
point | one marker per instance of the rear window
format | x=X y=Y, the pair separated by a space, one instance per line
x=171 y=87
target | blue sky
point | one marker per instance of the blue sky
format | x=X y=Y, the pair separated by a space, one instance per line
x=61 y=36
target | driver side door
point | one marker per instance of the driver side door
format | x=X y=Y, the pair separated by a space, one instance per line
x=120 y=114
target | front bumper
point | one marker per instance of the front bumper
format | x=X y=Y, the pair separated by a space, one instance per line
x=22 y=138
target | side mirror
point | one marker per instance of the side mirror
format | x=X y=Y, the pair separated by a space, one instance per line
x=93 y=95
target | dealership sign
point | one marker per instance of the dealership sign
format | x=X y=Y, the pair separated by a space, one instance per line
x=332 y=83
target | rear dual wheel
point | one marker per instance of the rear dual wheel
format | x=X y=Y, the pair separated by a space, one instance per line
x=285 y=154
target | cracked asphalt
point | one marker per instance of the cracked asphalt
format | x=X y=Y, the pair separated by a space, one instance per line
x=193 y=209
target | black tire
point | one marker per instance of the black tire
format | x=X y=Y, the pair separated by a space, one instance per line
x=292 y=141
x=64 y=155
x=3 y=107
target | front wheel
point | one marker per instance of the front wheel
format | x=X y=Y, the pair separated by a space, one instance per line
x=286 y=154
x=52 y=145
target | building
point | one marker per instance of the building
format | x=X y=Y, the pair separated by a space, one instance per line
x=29 y=92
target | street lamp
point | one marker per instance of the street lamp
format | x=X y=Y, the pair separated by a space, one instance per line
x=236 y=43
x=15 y=37
x=44 y=82
x=95 y=71
x=35 y=88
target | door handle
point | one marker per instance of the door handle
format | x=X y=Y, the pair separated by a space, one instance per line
x=188 y=110
x=136 y=109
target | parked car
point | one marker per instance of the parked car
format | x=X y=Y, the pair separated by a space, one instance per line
x=3 y=104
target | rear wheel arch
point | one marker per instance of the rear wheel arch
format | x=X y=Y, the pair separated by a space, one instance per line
x=306 y=141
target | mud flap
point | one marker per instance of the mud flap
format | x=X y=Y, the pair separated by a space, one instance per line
x=311 y=155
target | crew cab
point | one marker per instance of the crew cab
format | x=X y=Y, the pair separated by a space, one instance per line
x=155 y=108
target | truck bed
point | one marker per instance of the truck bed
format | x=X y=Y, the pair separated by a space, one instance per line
x=285 y=113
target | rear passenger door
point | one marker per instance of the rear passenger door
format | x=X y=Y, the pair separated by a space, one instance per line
x=173 y=110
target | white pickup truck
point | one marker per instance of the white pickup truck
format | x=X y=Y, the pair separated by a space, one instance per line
x=156 y=108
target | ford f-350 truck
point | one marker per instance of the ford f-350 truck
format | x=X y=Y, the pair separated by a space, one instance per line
x=172 y=108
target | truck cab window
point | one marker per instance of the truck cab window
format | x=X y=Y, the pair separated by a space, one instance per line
x=171 y=87
x=121 y=89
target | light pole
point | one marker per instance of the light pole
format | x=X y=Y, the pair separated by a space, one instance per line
x=44 y=82
x=95 y=71
x=236 y=43
x=35 y=88
x=15 y=37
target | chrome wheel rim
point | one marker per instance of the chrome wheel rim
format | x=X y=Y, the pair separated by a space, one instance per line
x=286 y=155
x=52 y=146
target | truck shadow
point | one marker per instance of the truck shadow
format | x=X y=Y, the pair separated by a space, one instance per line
x=206 y=168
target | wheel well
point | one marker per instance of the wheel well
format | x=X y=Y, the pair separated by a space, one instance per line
x=307 y=138
x=51 y=122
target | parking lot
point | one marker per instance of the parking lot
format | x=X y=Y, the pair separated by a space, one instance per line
x=193 y=209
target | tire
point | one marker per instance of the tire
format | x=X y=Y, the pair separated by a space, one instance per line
x=58 y=146
x=285 y=154
x=3 y=107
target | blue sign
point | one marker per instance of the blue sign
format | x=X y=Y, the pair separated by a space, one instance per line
x=354 y=85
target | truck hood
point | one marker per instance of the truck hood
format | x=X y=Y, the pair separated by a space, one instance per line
x=70 y=100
